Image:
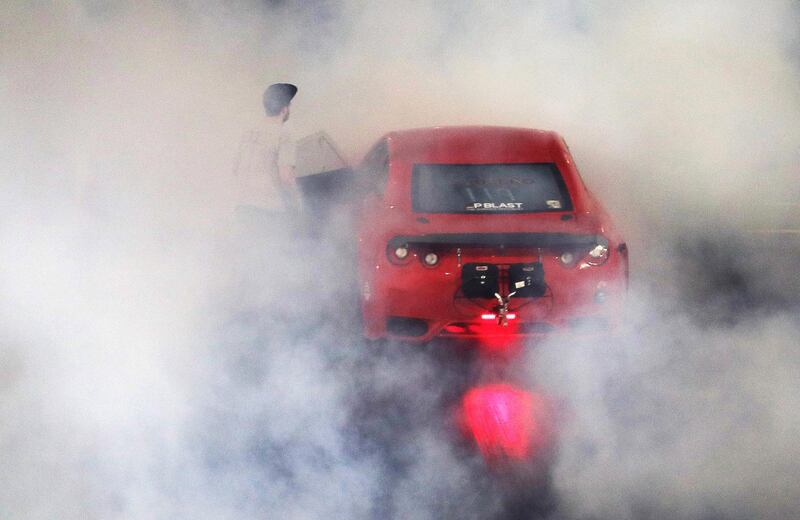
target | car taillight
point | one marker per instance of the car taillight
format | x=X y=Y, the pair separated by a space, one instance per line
x=399 y=255
x=594 y=256
x=597 y=255
x=430 y=259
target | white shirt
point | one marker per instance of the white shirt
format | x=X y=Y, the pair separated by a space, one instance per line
x=261 y=153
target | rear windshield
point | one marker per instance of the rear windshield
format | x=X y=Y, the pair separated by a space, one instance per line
x=488 y=188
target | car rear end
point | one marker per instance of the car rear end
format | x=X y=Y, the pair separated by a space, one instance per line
x=487 y=233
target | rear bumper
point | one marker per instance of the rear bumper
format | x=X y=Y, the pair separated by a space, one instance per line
x=414 y=302
x=421 y=329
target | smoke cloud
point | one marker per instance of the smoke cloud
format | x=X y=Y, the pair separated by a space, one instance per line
x=152 y=366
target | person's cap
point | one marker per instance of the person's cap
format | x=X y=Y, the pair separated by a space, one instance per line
x=278 y=95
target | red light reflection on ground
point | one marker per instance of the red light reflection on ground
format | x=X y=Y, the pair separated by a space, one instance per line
x=506 y=422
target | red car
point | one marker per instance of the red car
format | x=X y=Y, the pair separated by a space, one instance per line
x=475 y=232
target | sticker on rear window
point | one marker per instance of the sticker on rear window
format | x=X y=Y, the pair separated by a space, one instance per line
x=488 y=188
x=490 y=206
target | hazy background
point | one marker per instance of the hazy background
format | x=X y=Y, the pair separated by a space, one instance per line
x=141 y=378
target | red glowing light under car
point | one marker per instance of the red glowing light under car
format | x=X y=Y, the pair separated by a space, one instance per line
x=506 y=422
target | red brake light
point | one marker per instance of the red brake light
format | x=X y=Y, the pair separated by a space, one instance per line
x=488 y=316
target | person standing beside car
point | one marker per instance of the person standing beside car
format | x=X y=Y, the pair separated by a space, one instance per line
x=266 y=162
x=266 y=226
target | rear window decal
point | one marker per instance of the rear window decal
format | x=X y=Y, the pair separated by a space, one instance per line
x=494 y=206
x=554 y=204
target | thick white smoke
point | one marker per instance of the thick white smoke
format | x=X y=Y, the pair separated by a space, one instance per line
x=140 y=377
